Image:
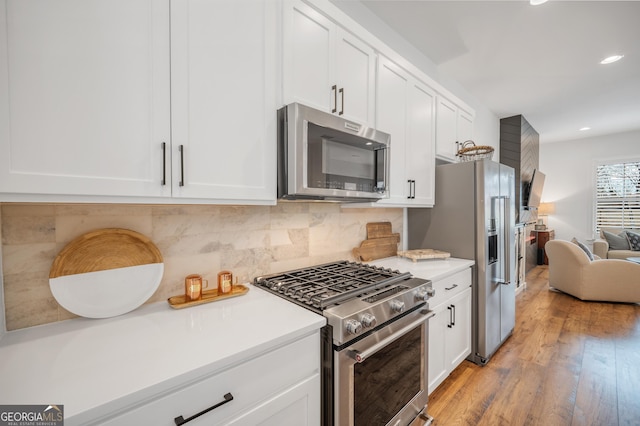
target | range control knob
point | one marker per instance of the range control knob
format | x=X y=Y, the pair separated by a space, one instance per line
x=431 y=291
x=422 y=294
x=353 y=326
x=368 y=320
x=397 y=306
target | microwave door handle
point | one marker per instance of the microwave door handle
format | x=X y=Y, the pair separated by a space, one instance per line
x=359 y=356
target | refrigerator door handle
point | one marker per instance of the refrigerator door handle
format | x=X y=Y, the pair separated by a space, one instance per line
x=501 y=237
x=506 y=214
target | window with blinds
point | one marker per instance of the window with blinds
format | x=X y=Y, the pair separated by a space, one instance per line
x=618 y=195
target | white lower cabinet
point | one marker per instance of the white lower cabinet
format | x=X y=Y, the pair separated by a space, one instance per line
x=450 y=328
x=281 y=387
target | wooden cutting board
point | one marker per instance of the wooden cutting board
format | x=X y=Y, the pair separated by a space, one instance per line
x=378 y=230
x=380 y=243
x=420 y=254
x=105 y=273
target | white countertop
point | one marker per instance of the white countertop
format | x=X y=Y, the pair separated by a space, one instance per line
x=97 y=366
x=428 y=269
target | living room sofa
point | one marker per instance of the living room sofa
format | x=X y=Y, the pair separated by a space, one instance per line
x=610 y=247
x=610 y=280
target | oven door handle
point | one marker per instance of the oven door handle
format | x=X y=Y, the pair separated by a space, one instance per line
x=362 y=356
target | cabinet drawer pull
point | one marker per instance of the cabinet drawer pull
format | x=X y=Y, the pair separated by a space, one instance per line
x=453 y=309
x=342 y=100
x=181 y=420
x=452 y=287
x=450 y=325
x=334 y=89
x=412 y=188
x=164 y=163
x=181 y=149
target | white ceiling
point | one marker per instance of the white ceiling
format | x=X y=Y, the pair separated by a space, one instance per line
x=538 y=61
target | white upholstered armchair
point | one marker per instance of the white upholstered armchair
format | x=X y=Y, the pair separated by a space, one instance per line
x=571 y=271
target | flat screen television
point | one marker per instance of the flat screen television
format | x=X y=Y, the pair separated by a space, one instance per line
x=534 y=192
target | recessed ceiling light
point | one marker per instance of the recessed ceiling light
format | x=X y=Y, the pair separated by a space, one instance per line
x=582 y=129
x=536 y=2
x=611 y=59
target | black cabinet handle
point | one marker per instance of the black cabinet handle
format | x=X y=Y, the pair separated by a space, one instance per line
x=453 y=309
x=412 y=188
x=450 y=317
x=452 y=287
x=164 y=163
x=181 y=149
x=181 y=420
x=342 y=100
x=334 y=89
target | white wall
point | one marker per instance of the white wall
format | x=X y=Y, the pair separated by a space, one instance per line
x=570 y=183
x=486 y=124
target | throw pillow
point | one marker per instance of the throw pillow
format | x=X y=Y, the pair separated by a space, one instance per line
x=617 y=242
x=584 y=248
x=634 y=240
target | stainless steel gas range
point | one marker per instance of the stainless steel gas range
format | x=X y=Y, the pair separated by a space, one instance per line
x=375 y=351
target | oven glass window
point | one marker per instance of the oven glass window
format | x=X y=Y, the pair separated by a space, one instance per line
x=388 y=380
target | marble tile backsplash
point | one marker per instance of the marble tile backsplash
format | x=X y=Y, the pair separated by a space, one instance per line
x=203 y=239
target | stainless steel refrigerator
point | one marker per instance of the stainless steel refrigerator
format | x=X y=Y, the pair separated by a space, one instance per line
x=474 y=218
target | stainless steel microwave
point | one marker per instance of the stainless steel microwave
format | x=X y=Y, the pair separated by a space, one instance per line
x=325 y=157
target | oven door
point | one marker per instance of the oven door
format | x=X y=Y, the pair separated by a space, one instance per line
x=382 y=379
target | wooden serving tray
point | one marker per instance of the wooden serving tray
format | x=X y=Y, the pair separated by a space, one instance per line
x=104 y=249
x=179 y=302
x=420 y=254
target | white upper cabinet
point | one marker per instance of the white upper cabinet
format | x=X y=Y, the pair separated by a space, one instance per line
x=223 y=99
x=325 y=66
x=84 y=97
x=151 y=100
x=405 y=110
x=454 y=126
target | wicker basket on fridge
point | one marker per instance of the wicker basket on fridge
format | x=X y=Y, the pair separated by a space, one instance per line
x=470 y=152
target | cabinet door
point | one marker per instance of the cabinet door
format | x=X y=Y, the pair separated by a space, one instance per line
x=298 y=405
x=459 y=336
x=420 y=158
x=84 y=97
x=438 y=363
x=392 y=118
x=308 y=44
x=465 y=126
x=446 y=129
x=355 y=64
x=223 y=99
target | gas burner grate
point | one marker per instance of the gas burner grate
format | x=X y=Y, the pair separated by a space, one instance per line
x=326 y=285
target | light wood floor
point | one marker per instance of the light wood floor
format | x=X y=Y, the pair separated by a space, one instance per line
x=568 y=362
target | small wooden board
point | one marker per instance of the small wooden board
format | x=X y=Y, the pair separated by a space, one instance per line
x=420 y=254
x=208 y=296
x=380 y=243
x=378 y=230
x=377 y=248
